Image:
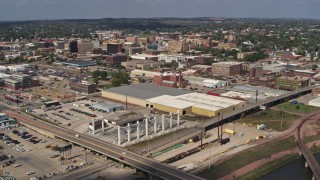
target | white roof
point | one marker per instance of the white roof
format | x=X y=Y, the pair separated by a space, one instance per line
x=211 y=81
x=171 y=101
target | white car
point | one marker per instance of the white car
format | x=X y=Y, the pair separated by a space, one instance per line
x=17 y=165
x=124 y=153
x=30 y=172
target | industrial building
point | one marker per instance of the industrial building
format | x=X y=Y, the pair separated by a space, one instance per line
x=210 y=83
x=139 y=93
x=195 y=103
x=261 y=90
x=144 y=73
x=292 y=83
x=79 y=63
x=107 y=107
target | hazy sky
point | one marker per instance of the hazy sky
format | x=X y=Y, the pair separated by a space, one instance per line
x=71 y=9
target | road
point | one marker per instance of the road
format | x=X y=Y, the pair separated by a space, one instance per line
x=132 y=159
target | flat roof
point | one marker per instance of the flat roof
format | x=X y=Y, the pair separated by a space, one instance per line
x=253 y=89
x=171 y=101
x=146 y=91
x=106 y=105
x=316 y=100
x=79 y=63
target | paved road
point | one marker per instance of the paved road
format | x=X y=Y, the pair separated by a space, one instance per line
x=147 y=165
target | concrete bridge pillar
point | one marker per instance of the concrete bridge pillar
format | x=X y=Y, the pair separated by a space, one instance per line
x=147 y=126
x=313 y=178
x=162 y=122
x=129 y=133
x=151 y=177
x=119 y=135
x=138 y=129
x=102 y=121
x=178 y=118
x=122 y=165
x=306 y=164
x=170 y=120
x=155 y=126
x=135 y=170
x=93 y=126
x=106 y=158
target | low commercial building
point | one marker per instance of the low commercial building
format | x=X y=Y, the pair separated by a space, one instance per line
x=107 y=107
x=292 y=83
x=83 y=86
x=6 y=120
x=141 y=64
x=143 y=73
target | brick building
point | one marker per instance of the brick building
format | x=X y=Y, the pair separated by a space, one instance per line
x=227 y=68
x=83 y=87
x=169 y=80
x=256 y=72
x=291 y=83
x=262 y=81
x=115 y=58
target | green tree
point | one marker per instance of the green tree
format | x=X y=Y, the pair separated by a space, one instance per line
x=115 y=82
x=314 y=67
x=103 y=75
x=95 y=74
x=96 y=81
x=297 y=106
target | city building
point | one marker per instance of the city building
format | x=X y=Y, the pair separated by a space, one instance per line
x=144 y=73
x=262 y=81
x=256 y=72
x=175 y=47
x=83 y=87
x=144 y=57
x=204 y=82
x=73 y=47
x=169 y=80
x=291 y=83
x=84 y=47
x=141 y=64
x=243 y=55
x=113 y=48
x=227 y=46
x=227 y=68
x=117 y=58
x=316 y=90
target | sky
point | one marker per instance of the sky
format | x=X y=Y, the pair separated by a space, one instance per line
x=94 y=9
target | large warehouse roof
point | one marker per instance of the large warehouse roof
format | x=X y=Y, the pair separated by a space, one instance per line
x=146 y=91
x=171 y=101
x=203 y=101
x=106 y=106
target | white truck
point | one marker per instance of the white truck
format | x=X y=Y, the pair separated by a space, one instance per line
x=77 y=136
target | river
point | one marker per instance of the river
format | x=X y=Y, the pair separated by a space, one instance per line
x=295 y=170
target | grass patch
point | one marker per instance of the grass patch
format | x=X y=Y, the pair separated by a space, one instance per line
x=247 y=157
x=299 y=108
x=271 y=118
x=267 y=168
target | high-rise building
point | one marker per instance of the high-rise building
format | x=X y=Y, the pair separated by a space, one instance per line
x=73 y=46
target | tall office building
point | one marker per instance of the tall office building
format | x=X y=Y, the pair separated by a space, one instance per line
x=73 y=46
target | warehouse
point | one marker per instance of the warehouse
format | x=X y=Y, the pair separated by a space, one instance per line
x=107 y=107
x=138 y=94
x=195 y=103
x=210 y=83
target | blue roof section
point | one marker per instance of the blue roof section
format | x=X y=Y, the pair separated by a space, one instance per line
x=79 y=63
x=106 y=106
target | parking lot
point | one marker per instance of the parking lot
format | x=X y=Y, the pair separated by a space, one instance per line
x=26 y=153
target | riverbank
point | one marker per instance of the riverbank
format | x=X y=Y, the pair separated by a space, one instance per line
x=268 y=164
